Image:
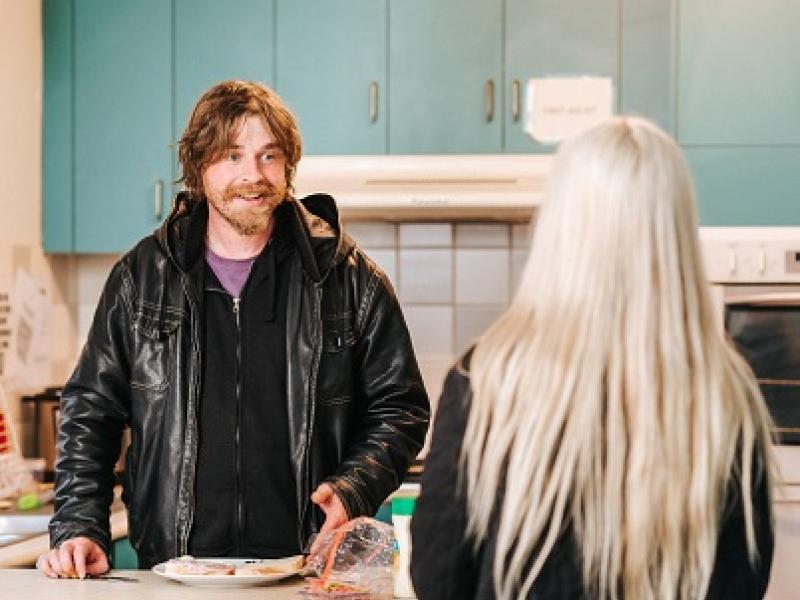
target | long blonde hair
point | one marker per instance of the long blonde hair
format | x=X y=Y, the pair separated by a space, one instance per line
x=607 y=397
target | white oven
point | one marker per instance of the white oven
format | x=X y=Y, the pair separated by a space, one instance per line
x=755 y=279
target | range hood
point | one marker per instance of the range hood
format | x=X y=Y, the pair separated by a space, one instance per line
x=417 y=187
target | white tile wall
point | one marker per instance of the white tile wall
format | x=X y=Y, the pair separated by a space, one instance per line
x=482 y=276
x=453 y=279
x=471 y=322
x=519 y=258
x=426 y=276
x=386 y=259
x=482 y=235
x=373 y=234
x=431 y=328
x=425 y=235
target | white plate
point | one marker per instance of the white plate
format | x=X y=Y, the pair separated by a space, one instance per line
x=231 y=580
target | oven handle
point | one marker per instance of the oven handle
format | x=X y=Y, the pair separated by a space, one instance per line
x=778 y=299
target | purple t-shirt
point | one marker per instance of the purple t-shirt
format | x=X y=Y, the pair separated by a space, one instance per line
x=231 y=272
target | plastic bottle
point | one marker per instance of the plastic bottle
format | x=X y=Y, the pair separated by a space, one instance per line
x=402 y=509
x=34 y=500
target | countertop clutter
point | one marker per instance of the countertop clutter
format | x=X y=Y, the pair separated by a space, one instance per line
x=32 y=585
x=33 y=541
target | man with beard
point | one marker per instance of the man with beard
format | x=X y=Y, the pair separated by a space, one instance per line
x=260 y=359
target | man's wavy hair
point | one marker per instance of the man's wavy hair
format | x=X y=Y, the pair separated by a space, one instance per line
x=215 y=123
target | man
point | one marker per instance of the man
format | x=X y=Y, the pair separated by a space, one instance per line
x=260 y=359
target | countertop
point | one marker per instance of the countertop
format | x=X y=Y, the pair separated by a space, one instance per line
x=33 y=585
x=25 y=552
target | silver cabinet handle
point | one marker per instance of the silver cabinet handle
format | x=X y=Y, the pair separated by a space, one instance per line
x=490 y=100
x=157 y=199
x=373 y=101
x=515 y=100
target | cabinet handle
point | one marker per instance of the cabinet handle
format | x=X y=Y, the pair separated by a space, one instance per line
x=373 y=101
x=490 y=100
x=157 y=201
x=515 y=100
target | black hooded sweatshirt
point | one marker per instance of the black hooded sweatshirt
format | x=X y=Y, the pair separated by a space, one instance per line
x=244 y=468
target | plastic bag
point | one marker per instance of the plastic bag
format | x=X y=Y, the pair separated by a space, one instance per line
x=353 y=562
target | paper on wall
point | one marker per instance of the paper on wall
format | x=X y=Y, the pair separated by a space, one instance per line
x=24 y=308
x=6 y=285
x=559 y=108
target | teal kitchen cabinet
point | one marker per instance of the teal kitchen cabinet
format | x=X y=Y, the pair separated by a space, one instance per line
x=648 y=42
x=331 y=71
x=57 y=130
x=216 y=41
x=123 y=556
x=746 y=185
x=122 y=120
x=739 y=81
x=445 y=76
x=553 y=38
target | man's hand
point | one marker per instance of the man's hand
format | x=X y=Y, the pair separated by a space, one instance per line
x=328 y=501
x=76 y=557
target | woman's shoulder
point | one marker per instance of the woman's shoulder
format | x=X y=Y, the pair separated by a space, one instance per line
x=457 y=382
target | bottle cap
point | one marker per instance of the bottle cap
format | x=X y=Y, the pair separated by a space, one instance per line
x=403 y=505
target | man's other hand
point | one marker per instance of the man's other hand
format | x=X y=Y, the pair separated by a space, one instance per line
x=76 y=557
x=328 y=501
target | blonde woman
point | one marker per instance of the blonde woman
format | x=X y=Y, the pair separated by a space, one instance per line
x=603 y=440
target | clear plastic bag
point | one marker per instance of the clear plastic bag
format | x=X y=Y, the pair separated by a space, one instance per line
x=353 y=562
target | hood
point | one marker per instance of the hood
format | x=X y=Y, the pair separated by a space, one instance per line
x=395 y=187
x=313 y=222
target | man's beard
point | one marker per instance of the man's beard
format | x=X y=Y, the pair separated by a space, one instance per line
x=248 y=220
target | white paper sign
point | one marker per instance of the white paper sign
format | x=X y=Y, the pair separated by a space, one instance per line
x=25 y=360
x=559 y=108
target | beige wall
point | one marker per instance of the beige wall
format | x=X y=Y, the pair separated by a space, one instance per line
x=21 y=175
x=20 y=121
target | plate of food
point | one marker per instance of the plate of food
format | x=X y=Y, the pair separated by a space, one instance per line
x=228 y=572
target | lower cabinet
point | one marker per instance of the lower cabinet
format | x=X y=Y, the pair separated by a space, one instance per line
x=123 y=556
x=784 y=581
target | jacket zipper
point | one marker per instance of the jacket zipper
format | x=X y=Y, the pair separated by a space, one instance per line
x=312 y=391
x=238 y=435
x=185 y=523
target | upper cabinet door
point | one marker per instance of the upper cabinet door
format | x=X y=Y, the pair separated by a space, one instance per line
x=57 y=131
x=216 y=41
x=445 y=76
x=331 y=71
x=553 y=38
x=746 y=185
x=739 y=80
x=648 y=59
x=123 y=120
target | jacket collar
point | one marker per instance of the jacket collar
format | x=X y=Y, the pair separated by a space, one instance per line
x=313 y=221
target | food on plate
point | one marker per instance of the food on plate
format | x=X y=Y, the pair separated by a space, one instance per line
x=261 y=570
x=285 y=567
x=186 y=565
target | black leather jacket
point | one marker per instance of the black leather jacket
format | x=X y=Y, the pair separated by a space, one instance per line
x=358 y=411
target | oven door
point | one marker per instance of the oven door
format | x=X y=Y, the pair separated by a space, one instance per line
x=764 y=324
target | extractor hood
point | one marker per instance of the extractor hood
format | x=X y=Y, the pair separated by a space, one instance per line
x=414 y=187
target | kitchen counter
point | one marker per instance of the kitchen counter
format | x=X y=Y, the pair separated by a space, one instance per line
x=24 y=552
x=32 y=585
